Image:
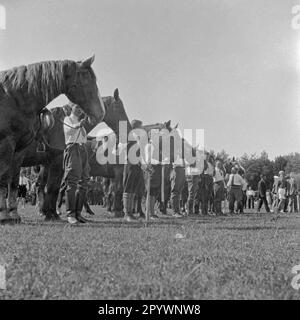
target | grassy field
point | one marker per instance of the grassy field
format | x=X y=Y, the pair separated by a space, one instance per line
x=234 y=257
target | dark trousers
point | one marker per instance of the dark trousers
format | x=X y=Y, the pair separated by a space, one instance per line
x=193 y=187
x=250 y=202
x=177 y=185
x=219 y=196
x=293 y=206
x=155 y=179
x=206 y=191
x=133 y=179
x=235 y=194
x=263 y=200
x=76 y=177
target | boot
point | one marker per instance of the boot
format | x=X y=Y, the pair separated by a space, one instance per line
x=140 y=209
x=88 y=208
x=80 y=199
x=152 y=206
x=128 y=202
x=71 y=205
x=175 y=206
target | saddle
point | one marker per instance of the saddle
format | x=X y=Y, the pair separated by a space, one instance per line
x=46 y=123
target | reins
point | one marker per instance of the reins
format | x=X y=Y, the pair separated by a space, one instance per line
x=44 y=141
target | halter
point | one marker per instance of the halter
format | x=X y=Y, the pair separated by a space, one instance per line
x=45 y=142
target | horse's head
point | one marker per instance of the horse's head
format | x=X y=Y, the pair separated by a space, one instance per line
x=115 y=112
x=81 y=88
x=229 y=164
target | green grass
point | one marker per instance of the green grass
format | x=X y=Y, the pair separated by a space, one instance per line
x=234 y=257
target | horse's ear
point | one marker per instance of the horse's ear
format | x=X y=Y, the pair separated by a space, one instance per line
x=175 y=126
x=88 y=62
x=116 y=94
x=168 y=124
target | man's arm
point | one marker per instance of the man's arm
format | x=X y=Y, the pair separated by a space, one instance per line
x=87 y=124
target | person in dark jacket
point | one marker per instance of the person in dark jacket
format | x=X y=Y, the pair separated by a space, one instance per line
x=133 y=181
x=262 y=194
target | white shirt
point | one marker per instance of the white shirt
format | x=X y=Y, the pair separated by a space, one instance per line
x=72 y=135
x=210 y=169
x=236 y=180
x=250 y=193
x=23 y=181
x=150 y=154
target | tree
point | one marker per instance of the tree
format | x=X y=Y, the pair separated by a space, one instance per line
x=279 y=164
x=293 y=162
x=223 y=156
x=264 y=155
x=255 y=166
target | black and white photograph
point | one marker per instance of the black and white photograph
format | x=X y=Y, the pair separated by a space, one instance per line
x=149 y=151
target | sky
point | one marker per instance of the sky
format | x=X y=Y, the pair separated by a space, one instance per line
x=230 y=67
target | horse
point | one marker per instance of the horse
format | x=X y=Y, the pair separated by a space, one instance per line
x=24 y=93
x=52 y=170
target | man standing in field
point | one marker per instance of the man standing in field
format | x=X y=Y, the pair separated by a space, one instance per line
x=262 y=194
x=76 y=166
x=177 y=185
x=235 y=192
x=133 y=181
x=23 y=188
x=282 y=192
x=292 y=194
x=219 y=188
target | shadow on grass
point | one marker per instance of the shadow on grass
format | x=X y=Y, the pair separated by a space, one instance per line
x=255 y=228
x=118 y=223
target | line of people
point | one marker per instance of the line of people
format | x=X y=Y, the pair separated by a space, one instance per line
x=206 y=191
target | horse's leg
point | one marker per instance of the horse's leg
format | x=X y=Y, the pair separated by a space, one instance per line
x=54 y=177
x=7 y=146
x=109 y=196
x=60 y=198
x=40 y=189
x=13 y=187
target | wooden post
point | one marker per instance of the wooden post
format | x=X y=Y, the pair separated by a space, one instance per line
x=148 y=196
x=162 y=184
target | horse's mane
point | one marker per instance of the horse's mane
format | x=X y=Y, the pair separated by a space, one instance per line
x=42 y=78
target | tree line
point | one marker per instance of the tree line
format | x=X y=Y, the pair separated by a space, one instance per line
x=256 y=165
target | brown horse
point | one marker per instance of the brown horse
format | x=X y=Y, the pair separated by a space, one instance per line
x=51 y=160
x=24 y=92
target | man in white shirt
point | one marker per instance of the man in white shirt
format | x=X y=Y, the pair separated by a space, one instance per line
x=219 y=187
x=235 y=185
x=76 y=166
x=250 y=197
x=23 y=188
